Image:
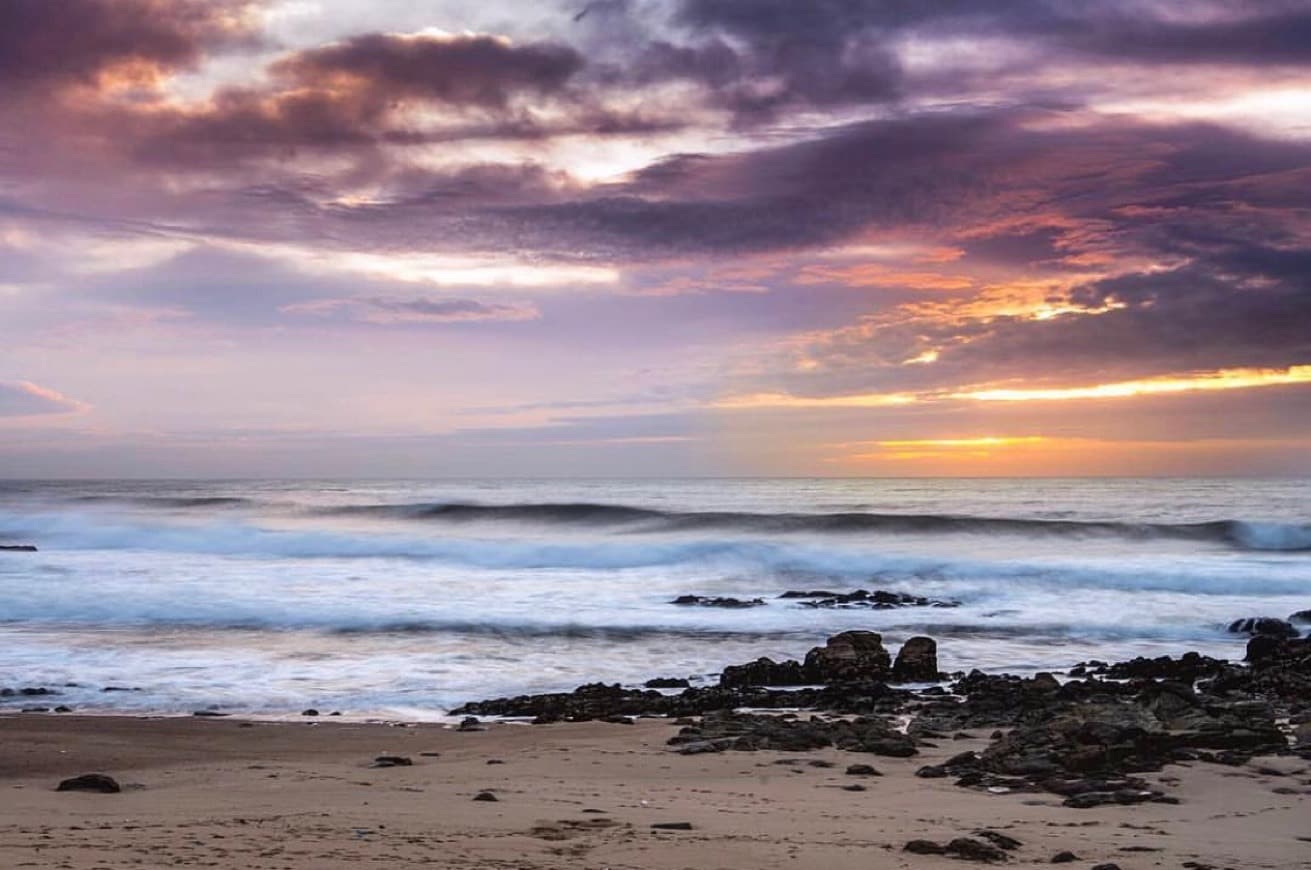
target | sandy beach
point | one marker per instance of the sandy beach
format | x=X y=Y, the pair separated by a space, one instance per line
x=227 y=793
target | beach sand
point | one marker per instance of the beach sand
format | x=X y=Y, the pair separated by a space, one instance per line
x=223 y=793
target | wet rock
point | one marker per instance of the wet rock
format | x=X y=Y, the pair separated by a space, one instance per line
x=861 y=770
x=969 y=849
x=391 y=761
x=923 y=847
x=667 y=683
x=1000 y=840
x=1108 y=866
x=1266 y=625
x=764 y=671
x=1188 y=668
x=1066 y=857
x=1090 y=799
x=714 y=601
x=92 y=782
x=877 y=599
x=855 y=786
x=672 y=826
x=486 y=796
x=470 y=723
x=1302 y=617
x=209 y=714
x=310 y=712
x=917 y=661
x=850 y=656
x=748 y=732
x=598 y=700
x=17 y=548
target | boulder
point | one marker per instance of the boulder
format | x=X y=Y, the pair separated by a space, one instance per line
x=764 y=672
x=850 y=656
x=917 y=661
x=1263 y=625
x=92 y=782
x=17 y=548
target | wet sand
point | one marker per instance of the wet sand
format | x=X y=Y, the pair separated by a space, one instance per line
x=222 y=793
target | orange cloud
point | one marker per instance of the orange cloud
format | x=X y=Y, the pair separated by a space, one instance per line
x=1225 y=379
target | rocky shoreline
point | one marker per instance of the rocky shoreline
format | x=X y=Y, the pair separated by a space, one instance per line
x=1084 y=735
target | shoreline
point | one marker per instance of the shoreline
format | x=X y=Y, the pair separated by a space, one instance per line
x=998 y=769
x=274 y=795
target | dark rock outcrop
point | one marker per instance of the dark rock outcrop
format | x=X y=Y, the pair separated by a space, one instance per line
x=748 y=732
x=711 y=601
x=917 y=661
x=877 y=599
x=599 y=700
x=1263 y=625
x=17 y=548
x=667 y=683
x=849 y=656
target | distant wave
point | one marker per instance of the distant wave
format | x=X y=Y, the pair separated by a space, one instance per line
x=166 y=501
x=1237 y=533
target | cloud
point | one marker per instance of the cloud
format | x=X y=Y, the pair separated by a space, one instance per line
x=26 y=399
x=45 y=44
x=387 y=311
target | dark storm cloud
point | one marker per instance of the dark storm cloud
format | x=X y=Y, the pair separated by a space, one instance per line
x=45 y=42
x=349 y=94
x=1262 y=32
x=478 y=70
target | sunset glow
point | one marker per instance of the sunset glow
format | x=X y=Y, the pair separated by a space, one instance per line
x=713 y=239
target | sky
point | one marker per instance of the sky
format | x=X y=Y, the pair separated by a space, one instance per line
x=392 y=238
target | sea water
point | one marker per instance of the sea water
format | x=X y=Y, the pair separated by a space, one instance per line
x=406 y=598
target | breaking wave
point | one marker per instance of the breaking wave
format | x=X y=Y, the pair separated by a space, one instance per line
x=1237 y=533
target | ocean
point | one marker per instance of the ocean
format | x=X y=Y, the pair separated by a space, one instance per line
x=403 y=599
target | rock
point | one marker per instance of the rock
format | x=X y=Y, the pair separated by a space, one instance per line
x=862 y=770
x=63 y=709
x=923 y=847
x=1090 y=799
x=310 y=712
x=391 y=761
x=93 y=782
x=486 y=796
x=672 y=826
x=917 y=661
x=17 y=548
x=209 y=714
x=1066 y=857
x=666 y=683
x=709 y=601
x=1000 y=840
x=764 y=671
x=1302 y=617
x=855 y=786
x=748 y=732
x=1266 y=625
x=877 y=599
x=969 y=849
x=470 y=723
x=1106 y=867
x=851 y=655
x=598 y=700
